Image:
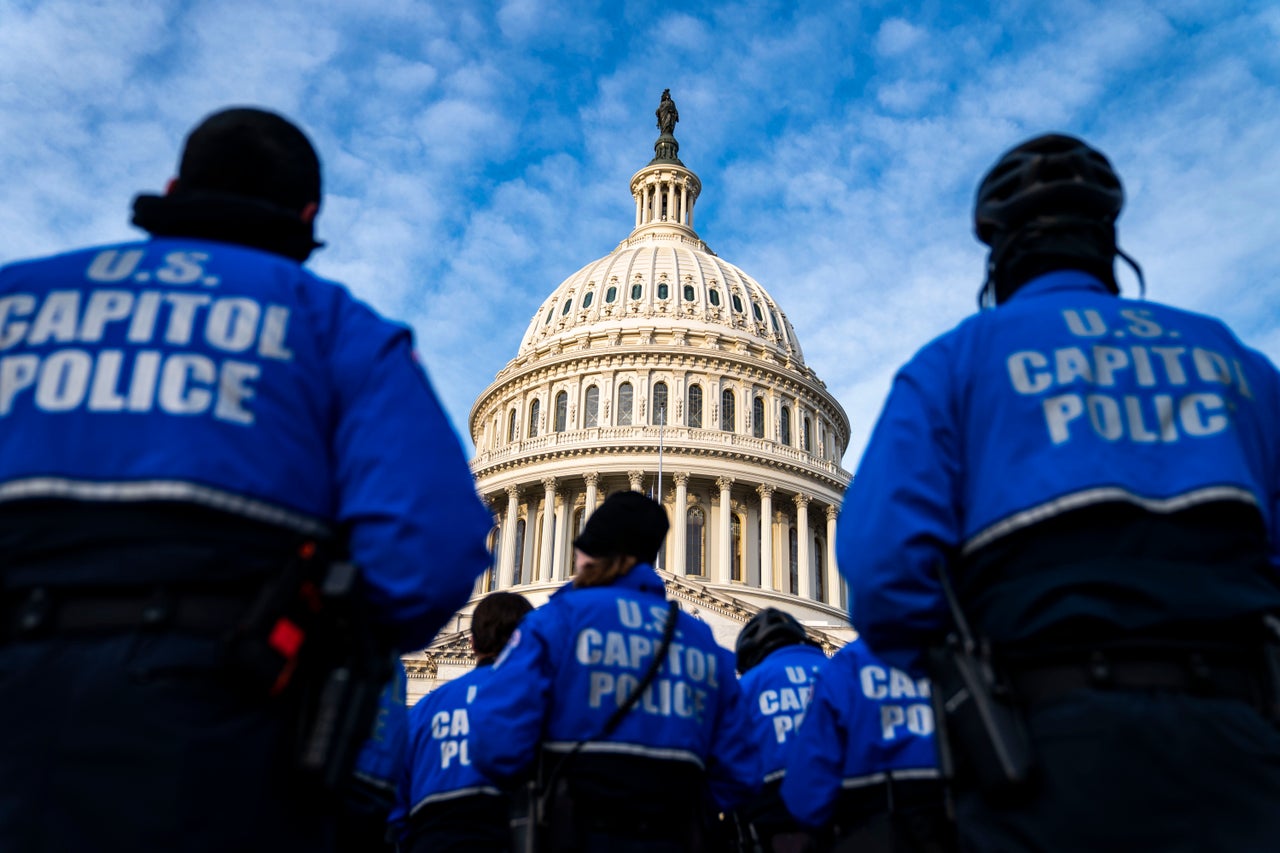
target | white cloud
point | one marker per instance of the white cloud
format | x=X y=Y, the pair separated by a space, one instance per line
x=897 y=36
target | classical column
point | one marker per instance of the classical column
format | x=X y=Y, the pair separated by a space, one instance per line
x=548 y=527
x=507 y=569
x=593 y=480
x=802 y=546
x=766 y=536
x=833 y=571
x=684 y=203
x=680 y=522
x=563 y=514
x=672 y=216
x=726 y=510
x=636 y=478
x=639 y=204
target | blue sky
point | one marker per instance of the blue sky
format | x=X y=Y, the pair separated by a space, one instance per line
x=478 y=153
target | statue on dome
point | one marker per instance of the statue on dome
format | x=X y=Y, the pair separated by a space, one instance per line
x=667 y=114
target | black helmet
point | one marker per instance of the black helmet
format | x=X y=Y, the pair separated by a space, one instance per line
x=1050 y=203
x=1046 y=178
x=767 y=631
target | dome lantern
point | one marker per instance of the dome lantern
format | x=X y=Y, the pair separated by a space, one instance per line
x=664 y=190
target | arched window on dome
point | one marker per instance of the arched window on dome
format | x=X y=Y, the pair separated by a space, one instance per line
x=568 y=306
x=784 y=425
x=736 y=528
x=664 y=290
x=591 y=408
x=755 y=309
x=535 y=412
x=511 y=426
x=689 y=294
x=637 y=290
x=694 y=406
x=611 y=295
x=728 y=411
x=659 y=413
x=737 y=304
x=757 y=417
x=551 y=313
x=517 y=552
x=695 y=542
x=806 y=435
x=714 y=296
x=793 y=550
x=587 y=300
x=562 y=411
x=777 y=327
x=626 y=397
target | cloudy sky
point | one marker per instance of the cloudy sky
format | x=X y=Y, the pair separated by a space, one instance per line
x=478 y=153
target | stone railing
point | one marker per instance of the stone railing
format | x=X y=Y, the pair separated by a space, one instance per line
x=650 y=437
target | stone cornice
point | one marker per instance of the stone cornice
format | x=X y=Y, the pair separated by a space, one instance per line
x=491 y=464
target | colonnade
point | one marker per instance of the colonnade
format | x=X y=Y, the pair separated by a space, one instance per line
x=702 y=540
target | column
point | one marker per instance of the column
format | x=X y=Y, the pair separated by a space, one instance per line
x=684 y=203
x=593 y=480
x=563 y=514
x=833 y=571
x=802 y=547
x=639 y=207
x=766 y=536
x=726 y=545
x=548 y=526
x=507 y=570
x=679 y=522
x=672 y=216
x=636 y=479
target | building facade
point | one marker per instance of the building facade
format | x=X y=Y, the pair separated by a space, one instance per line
x=664 y=369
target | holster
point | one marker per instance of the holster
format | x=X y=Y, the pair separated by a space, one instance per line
x=309 y=642
x=543 y=816
x=982 y=738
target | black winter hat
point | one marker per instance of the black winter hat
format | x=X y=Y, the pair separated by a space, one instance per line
x=251 y=152
x=627 y=523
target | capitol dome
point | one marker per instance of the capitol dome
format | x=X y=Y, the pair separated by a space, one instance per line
x=664 y=369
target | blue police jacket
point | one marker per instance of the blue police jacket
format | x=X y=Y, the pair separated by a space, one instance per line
x=777 y=690
x=195 y=371
x=381 y=759
x=866 y=722
x=574 y=661
x=1063 y=398
x=440 y=766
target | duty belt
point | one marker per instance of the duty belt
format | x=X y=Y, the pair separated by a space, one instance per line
x=40 y=611
x=1211 y=672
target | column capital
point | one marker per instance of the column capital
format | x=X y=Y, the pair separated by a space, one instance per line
x=636 y=478
x=513 y=493
x=681 y=478
x=802 y=500
x=592 y=478
x=724 y=482
x=833 y=512
x=549 y=483
x=765 y=490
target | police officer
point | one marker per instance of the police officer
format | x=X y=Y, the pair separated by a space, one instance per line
x=452 y=806
x=182 y=419
x=777 y=662
x=629 y=736
x=1096 y=477
x=862 y=772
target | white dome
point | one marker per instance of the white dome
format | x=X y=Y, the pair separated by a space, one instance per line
x=660 y=278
